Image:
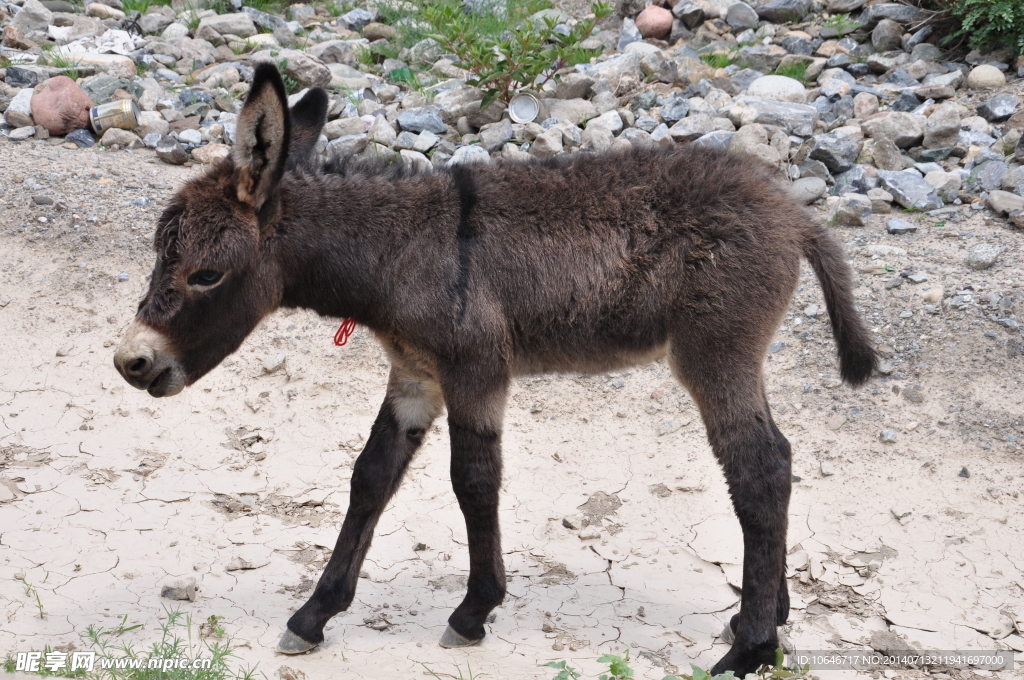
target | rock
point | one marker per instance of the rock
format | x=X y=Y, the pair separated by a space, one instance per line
x=887 y=155
x=690 y=13
x=120 y=139
x=1003 y=202
x=264 y=19
x=988 y=175
x=654 y=22
x=576 y=111
x=887 y=36
x=574 y=86
x=900 y=226
x=985 y=77
x=784 y=11
x=796 y=119
x=851 y=209
x=211 y=153
x=902 y=129
x=357 y=19
x=22 y=133
x=342 y=127
x=691 y=128
x=865 y=104
x=671 y=113
x=897 y=12
x=61 y=106
x=999 y=108
x=881 y=200
x=495 y=136
x=778 y=88
x=82 y=138
x=983 y=256
x=25 y=76
x=808 y=189
x=597 y=138
x=888 y=436
x=381 y=131
x=155 y=22
x=240 y=24
x=947 y=184
x=19 y=110
x=837 y=151
x=762 y=57
x=741 y=15
x=910 y=190
x=797 y=46
x=307 y=71
x=180 y=590
x=170 y=151
x=964 y=472
x=547 y=144
x=629 y=34
x=14 y=38
x=422 y=118
x=102 y=11
x=33 y=18
x=942 y=127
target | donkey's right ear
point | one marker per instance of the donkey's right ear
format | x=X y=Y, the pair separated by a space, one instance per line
x=261 y=138
x=308 y=118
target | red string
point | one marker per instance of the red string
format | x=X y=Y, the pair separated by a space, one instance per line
x=345 y=331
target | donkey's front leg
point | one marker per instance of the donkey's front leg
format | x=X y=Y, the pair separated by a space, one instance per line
x=475 y=415
x=409 y=407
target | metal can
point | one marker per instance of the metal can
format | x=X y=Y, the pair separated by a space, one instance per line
x=123 y=114
x=523 y=108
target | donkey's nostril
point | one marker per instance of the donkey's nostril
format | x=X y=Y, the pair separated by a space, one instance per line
x=139 y=366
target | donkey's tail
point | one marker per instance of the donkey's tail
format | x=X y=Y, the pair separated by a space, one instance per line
x=857 y=358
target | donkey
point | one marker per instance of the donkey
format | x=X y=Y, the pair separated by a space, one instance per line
x=473 y=275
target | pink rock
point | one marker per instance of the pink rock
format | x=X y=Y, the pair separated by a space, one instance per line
x=61 y=106
x=654 y=22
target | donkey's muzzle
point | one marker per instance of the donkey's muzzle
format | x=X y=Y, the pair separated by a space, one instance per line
x=144 y=359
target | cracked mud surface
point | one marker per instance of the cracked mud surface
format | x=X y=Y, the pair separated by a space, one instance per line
x=617 y=527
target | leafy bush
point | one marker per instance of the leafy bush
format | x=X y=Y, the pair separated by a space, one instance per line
x=989 y=24
x=502 y=63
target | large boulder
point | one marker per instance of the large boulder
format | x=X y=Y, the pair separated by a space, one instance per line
x=784 y=11
x=61 y=106
x=778 y=88
x=239 y=23
x=902 y=129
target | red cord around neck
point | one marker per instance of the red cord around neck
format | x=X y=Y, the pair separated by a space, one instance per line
x=345 y=331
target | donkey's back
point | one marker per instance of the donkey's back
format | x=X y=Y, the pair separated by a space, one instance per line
x=598 y=261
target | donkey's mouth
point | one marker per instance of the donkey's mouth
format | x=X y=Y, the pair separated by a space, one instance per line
x=168 y=383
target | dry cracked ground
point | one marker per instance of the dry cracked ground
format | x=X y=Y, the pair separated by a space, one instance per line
x=618 y=531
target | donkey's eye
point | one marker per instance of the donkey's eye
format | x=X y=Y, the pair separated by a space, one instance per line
x=205 y=277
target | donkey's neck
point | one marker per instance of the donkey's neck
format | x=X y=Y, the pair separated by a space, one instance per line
x=344 y=240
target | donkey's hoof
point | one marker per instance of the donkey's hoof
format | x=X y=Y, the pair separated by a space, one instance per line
x=786 y=643
x=728 y=634
x=290 y=643
x=452 y=639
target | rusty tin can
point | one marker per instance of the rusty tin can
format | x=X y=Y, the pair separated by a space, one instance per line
x=120 y=114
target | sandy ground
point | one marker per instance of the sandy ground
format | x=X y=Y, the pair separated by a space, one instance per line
x=109 y=495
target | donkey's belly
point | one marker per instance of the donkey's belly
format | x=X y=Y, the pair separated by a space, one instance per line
x=586 y=359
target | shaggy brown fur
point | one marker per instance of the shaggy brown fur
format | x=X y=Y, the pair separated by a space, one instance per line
x=472 y=276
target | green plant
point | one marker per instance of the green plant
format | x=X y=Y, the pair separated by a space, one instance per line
x=291 y=85
x=618 y=667
x=796 y=71
x=522 y=56
x=718 y=59
x=986 y=24
x=142 y=6
x=841 y=23
x=565 y=671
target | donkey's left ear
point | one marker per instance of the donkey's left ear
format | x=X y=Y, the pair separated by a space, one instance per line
x=261 y=138
x=308 y=118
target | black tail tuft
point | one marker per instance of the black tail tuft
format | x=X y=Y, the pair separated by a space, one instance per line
x=857 y=358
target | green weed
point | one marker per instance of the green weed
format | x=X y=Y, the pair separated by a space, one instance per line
x=842 y=24
x=796 y=71
x=718 y=60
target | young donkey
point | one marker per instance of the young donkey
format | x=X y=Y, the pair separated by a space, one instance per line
x=471 y=276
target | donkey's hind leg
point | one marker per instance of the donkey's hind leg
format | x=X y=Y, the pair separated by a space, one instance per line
x=756 y=460
x=410 y=406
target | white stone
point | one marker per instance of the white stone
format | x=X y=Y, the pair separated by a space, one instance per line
x=778 y=88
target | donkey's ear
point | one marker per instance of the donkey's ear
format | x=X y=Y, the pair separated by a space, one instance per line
x=261 y=138
x=308 y=118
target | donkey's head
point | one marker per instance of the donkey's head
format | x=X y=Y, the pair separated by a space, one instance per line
x=216 y=274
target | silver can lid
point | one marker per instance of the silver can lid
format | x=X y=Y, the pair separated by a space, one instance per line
x=523 y=108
